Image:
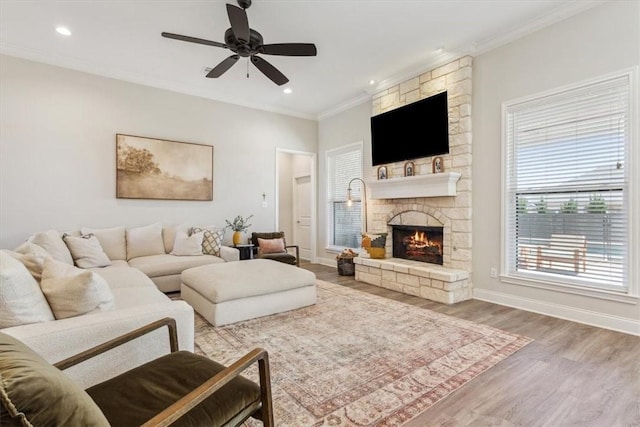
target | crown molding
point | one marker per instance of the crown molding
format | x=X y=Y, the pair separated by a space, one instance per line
x=561 y=13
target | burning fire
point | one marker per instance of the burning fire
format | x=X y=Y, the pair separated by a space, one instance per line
x=419 y=240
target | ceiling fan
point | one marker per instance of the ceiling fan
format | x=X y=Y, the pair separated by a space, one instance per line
x=248 y=43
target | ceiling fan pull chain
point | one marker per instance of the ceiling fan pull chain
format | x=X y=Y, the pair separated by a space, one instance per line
x=247 y=67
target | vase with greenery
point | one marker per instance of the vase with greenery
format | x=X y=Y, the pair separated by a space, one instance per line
x=238 y=225
x=541 y=206
x=569 y=207
x=597 y=204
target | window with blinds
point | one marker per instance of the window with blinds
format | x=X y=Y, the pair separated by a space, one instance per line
x=567 y=185
x=344 y=222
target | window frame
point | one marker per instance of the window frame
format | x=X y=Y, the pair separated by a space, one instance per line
x=632 y=292
x=330 y=228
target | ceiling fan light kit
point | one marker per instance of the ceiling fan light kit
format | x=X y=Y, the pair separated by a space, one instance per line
x=248 y=43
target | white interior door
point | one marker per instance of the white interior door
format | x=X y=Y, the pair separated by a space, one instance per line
x=302 y=215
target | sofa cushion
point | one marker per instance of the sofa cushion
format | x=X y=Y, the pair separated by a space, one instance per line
x=143 y=241
x=51 y=241
x=169 y=235
x=165 y=265
x=72 y=291
x=211 y=241
x=86 y=251
x=138 y=297
x=118 y=276
x=33 y=392
x=186 y=245
x=33 y=257
x=21 y=300
x=112 y=240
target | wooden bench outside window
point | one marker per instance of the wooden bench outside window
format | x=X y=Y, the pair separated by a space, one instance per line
x=564 y=248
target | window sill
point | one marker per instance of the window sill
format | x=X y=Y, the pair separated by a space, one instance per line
x=339 y=249
x=604 y=294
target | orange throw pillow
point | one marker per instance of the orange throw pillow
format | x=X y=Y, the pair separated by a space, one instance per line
x=271 y=246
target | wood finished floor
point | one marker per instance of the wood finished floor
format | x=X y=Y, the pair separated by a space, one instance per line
x=571 y=375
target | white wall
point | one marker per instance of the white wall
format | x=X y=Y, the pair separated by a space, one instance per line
x=596 y=42
x=347 y=127
x=57 y=151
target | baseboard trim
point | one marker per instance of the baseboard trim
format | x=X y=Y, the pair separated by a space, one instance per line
x=588 y=317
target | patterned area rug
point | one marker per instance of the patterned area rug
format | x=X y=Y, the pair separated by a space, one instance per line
x=356 y=359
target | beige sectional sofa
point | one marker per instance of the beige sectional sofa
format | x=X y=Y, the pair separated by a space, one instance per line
x=59 y=309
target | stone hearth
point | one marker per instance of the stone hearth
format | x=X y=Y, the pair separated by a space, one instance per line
x=416 y=278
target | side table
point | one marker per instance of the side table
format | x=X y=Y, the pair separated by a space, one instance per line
x=246 y=251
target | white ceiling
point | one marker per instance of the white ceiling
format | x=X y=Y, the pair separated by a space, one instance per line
x=357 y=41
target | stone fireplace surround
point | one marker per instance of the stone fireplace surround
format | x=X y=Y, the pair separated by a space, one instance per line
x=427 y=199
x=431 y=281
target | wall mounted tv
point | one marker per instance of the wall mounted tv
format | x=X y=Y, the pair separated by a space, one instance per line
x=419 y=129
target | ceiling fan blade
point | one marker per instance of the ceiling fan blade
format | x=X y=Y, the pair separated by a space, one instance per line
x=222 y=67
x=269 y=70
x=239 y=22
x=193 y=40
x=289 y=49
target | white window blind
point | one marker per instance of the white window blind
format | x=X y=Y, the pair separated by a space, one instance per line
x=567 y=185
x=344 y=222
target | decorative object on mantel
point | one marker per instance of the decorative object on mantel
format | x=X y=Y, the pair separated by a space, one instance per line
x=375 y=244
x=438 y=165
x=148 y=168
x=345 y=263
x=382 y=172
x=238 y=225
x=409 y=169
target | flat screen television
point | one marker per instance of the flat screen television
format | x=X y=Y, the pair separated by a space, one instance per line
x=419 y=129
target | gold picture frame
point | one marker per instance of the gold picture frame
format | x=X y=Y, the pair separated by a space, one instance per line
x=149 y=168
x=409 y=169
x=382 y=172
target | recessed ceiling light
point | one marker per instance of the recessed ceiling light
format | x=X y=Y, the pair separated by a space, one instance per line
x=63 y=30
x=287 y=90
x=372 y=82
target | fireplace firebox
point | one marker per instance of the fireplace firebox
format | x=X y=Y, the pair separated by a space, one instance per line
x=418 y=243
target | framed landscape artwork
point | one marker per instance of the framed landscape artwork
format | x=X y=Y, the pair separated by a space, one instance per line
x=148 y=168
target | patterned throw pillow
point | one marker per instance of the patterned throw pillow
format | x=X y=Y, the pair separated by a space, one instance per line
x=211 y=241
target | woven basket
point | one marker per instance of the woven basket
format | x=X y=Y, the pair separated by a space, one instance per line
x=346 y=267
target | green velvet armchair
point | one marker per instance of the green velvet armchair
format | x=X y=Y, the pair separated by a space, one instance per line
x=273 y=245
x=180 y=388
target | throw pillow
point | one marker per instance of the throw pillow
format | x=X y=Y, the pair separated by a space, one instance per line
x=211 y=241
x=112 y=240
x=147 y=240
x=188 y=245
x=35 y=393
x=169 y=235
x=86 y=251
x=21 y=300
x=72 y=291
x=33 y=257
x=51 y=241
x=271 y=246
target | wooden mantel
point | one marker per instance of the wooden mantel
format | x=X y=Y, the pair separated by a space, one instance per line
x=430 y=185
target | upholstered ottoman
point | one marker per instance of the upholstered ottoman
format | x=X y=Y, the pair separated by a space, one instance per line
x=233 y=291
